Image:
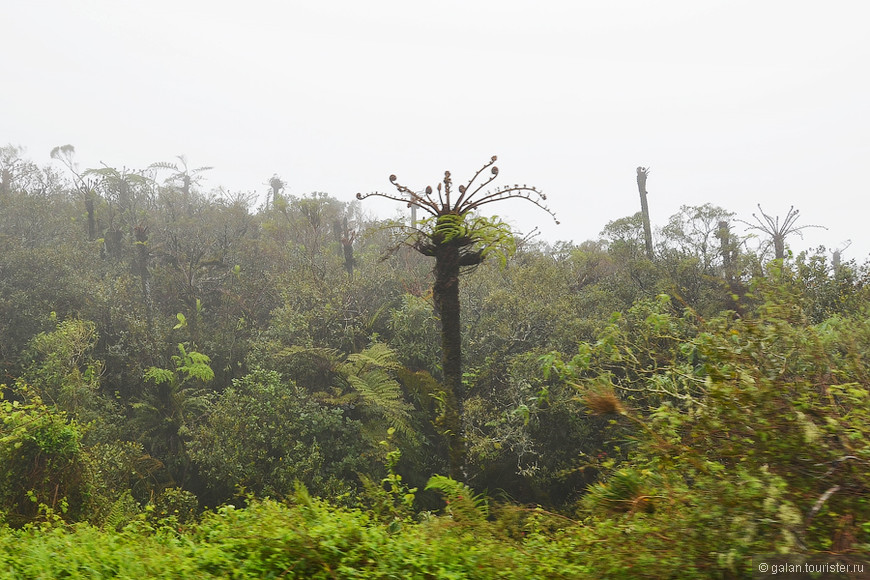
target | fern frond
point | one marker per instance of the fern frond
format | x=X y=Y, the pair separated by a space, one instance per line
x=382 y=395
x=102 y=172
x=378 y=355
x=460 y=496
x=449 y=487
x=450 y=226
x=159 y=376
x=337 y=398
x=198 y=369
x=163 y=165
x=122 y=512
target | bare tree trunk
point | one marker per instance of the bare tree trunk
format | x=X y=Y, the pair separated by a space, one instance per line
x=5 y=182
x=779 y=246
x=728 y=251
x=347 y=246
x=642 y=173
x=347 y=238
x=143 y=257
x=112 y=242
x=92 y=225
x=724 y=235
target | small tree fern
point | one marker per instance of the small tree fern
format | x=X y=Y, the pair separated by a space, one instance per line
x=365 y=381
x=461 y=500
x=172 y=400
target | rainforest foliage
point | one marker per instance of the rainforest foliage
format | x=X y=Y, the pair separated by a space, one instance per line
x=194 y=387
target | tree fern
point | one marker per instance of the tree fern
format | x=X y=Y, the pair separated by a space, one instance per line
x=122 y=512
x=365 y=380
x=173 y=400
x=461 y=499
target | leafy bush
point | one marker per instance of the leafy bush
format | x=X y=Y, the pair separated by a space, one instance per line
x=46 y=470
x=306 y=539
x=264 y=433
x=750 y=436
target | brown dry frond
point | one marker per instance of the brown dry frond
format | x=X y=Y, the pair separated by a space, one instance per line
x=603 y=401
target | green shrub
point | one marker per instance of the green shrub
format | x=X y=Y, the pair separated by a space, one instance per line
x=45 y=467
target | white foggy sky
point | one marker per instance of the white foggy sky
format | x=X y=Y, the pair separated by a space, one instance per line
x=732 y=103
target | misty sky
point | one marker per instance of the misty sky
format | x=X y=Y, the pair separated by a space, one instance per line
x=732 y=103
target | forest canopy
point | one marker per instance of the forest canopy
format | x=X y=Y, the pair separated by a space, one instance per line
x=225 y=390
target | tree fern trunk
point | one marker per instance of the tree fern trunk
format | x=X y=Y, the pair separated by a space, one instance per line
x=446 y=296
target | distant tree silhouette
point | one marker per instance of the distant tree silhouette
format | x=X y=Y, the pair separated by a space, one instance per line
x=779 y=231
x=181 y=173
x=66 y=155
x=276 y=186
x=642 y=174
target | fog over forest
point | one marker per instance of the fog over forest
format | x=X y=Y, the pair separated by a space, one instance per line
x=190 y=370
x=729 y=103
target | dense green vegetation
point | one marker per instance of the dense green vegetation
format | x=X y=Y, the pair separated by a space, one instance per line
x=192 y=387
